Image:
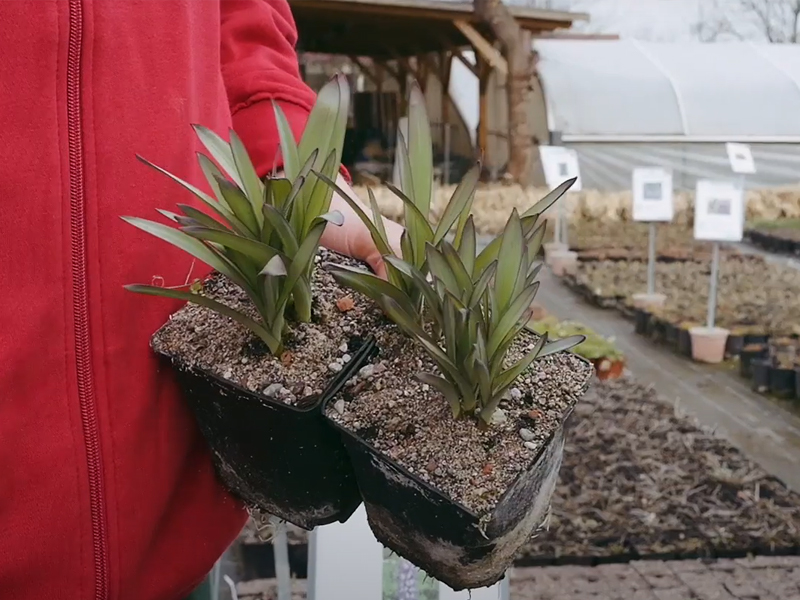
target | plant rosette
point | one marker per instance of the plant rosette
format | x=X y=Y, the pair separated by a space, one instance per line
x=260 y=341
x=456 y=433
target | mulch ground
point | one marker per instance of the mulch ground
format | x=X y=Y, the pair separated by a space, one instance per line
x=640 y=480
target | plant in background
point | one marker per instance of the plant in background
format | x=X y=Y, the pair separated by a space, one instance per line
x=476 y=302
x=415 y=161
x=263 y=235
x=594 y=347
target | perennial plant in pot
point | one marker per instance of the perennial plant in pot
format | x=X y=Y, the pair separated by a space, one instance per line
x=456 y=429
x=261 y=340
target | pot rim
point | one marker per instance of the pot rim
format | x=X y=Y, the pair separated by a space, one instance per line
x=437 y=490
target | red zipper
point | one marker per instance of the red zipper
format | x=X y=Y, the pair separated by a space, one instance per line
x=80 y=302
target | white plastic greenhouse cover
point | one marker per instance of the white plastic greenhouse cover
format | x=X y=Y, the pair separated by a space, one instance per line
x=629 y=89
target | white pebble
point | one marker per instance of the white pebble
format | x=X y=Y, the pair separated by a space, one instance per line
x=346 y=358
x=367 y=371
x=498 y=417
x=425 y=387
x=343 y=347
x=273 y=390
x=335 y=366
x=515 y=393
x=338 y=406
x=228 y=374
x=379 y=368
x=529 y=445
x=527 y=435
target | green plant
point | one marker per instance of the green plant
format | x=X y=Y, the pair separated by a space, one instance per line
x=593 y=347
x=475 y=303
x=263 y=235
x=415 y=161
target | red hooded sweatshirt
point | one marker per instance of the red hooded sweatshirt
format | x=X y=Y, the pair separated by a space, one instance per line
x=106 y=487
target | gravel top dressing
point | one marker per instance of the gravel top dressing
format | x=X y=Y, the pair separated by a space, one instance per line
x=413 y=424
x=315 y=351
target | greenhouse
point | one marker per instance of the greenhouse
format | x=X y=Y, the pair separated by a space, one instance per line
x=624 y=103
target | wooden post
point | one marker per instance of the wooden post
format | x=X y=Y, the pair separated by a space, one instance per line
x=445 y=62
x=483 y=124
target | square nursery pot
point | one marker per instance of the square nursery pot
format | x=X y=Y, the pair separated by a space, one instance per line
x=782 y=382
x=760 y=368
x=684 y=342
x=563 y=262
x=640 y=319
x=749 y=354
x=280 y=459
x=797 y=384
x=553 y=247
x=452 y=543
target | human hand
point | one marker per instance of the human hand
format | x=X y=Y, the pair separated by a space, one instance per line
x=353 y=238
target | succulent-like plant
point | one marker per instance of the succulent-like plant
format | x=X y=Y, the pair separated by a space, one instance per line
x=476 y=303
x=415 y=163
x=263 y=235
x=415 y=160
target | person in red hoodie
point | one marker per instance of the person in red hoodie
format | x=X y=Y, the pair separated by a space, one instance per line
x=107 y=491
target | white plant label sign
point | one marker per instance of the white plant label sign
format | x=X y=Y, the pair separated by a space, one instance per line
x=559 y=164
x=718 y=211
x=652 y=194
x=741 y=158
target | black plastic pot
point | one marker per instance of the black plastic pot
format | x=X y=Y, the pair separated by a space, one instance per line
x=284 y=460
x=656 y=329
x=734 y=345
x=684 y=342
x=760 y=368
x=782 y=382
x=746 y=358
x=640 y=319
x=445 y=539
x=761 y=338
x=797 y=384
x=671 y=334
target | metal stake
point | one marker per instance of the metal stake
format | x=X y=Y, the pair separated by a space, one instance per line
x=446 y=154
x=651 y=261
x=712 y=292
x=280 y=544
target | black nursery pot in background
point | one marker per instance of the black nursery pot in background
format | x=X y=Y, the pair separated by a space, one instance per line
x=671 y=333
x=684 y=342
x=760 y=368
x=641 y=319
x=283 y=460
x=748 y=355
x=782 y=382
x=734 y=345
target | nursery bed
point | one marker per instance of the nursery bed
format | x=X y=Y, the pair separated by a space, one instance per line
x=640 y=482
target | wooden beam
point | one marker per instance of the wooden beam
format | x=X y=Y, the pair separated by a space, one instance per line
x=456 y=52
x=483 y=47
x=373 y=77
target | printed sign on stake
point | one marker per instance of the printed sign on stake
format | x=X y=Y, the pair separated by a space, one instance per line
x=559 y=164
x=652 y=194
x=718 y=211
x=741 y=158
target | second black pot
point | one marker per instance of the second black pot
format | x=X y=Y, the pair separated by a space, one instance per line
x=445 y=539
x=684 y=342
x=283 y=460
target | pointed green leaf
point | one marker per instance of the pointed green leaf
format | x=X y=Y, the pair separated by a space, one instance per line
x=508 y=261
x=534 y=242
x=445 y=388
x=191 y=246
x=562 y=345
x=201 y=218
x=289 y=152
x=151 y=290
x=259 y=252
x=467 y=246
x=220 y=151
x=275 y=267
x=251 y=184
x=420 y=150
x=369 y=285
x=459 y=205
x=240 y=205
x=550 y=199
x=458 y=269
x=511 y=317
x=440 y=269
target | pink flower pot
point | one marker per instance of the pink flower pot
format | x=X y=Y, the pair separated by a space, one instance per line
x=708 y=344
x=563 y=262
x=648 y=301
